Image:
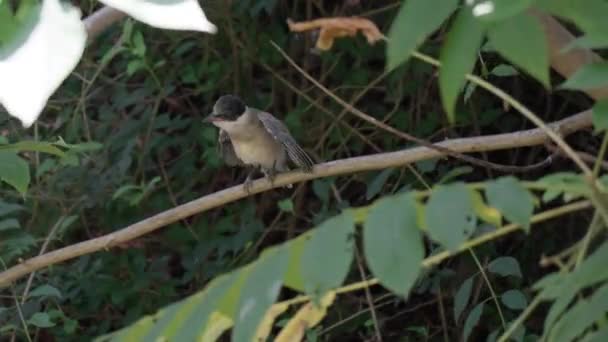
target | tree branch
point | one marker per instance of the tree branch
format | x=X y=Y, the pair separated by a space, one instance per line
x=338 y=167
x=100 y=20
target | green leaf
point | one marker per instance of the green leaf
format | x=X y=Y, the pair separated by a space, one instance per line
x=599 y=336
x=449 y=215
x=569 y=184
x=286 y=205
x=505 y=266
x=41 y=320
x=521 y=40
x=139 y=46
x=589 y=76
x=328 y=254
x=45 y=290
x=377 y=184
x=8 y=224
x=588 y=15
x=582 y=315
x=293 y=275
x=173 y=15
x=512 y=199
x=191 y=328
x=8 y=208
x=393 y=244
x=514 y=300
x=261 y=289
x=461 y=299
x=504 y=70
x=455 y=173
x=472 y=321
x=499 y=10
x=414 y=22
x=14 y=171
x=34 y=146
x=600 y=115
x=458 y=56
x=49 y=42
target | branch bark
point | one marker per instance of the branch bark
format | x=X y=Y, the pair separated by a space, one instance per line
x=100 y=20
x=338 y=167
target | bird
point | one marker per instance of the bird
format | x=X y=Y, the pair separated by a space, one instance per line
x=255 y=139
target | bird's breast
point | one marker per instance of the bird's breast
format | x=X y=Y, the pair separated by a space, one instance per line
x=259 y=149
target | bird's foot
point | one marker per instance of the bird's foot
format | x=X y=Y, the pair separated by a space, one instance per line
x=248 y=182
x=270 y=174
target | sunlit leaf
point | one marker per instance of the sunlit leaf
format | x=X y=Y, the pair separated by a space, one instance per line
x=458 y=56
x=485 y=212
x=393 y=244
x=307 y=317
x=271 y=315
x=42 y=54
x=521 y=40
x=449 y=215
x=166 y=14
x=414 y=22
x=260 y=291
x=512 y=199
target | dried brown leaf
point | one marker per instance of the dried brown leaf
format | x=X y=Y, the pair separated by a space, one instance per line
x=332 y=28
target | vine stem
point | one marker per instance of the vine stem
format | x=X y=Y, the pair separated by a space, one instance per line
x=529 y=309
x=440 y=257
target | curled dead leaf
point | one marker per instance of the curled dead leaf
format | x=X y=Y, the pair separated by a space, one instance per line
x=332 y=28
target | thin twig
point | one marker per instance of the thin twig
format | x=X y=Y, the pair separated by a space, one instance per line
x=409 y=137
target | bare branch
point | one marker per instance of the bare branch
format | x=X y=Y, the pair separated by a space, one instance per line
x=99 y=21
x=338 y=167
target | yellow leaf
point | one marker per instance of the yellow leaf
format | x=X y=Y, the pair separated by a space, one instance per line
x=217 y=325
x=266 y=325
x=307 y=317
x=486 y=213
x=360 y=214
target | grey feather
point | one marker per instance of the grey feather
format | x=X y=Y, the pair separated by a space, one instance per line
x=226 y=149
x=281 y=134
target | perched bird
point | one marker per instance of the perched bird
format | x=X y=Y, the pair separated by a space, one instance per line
x=256 y=139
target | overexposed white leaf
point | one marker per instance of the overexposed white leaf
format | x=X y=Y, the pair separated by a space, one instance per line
x=33 y=66
x=166 y=14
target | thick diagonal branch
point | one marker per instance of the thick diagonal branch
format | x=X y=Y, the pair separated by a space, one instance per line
x=338 y=167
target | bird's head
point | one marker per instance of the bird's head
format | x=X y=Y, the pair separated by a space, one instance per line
x=227 y=108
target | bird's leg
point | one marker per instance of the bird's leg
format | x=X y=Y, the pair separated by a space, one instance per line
x=270 y=175
x=248 y=181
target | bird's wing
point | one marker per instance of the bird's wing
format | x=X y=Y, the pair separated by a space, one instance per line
x=226 y=149
x=281 y=134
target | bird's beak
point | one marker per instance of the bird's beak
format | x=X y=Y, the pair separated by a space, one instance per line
x=210 y=118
